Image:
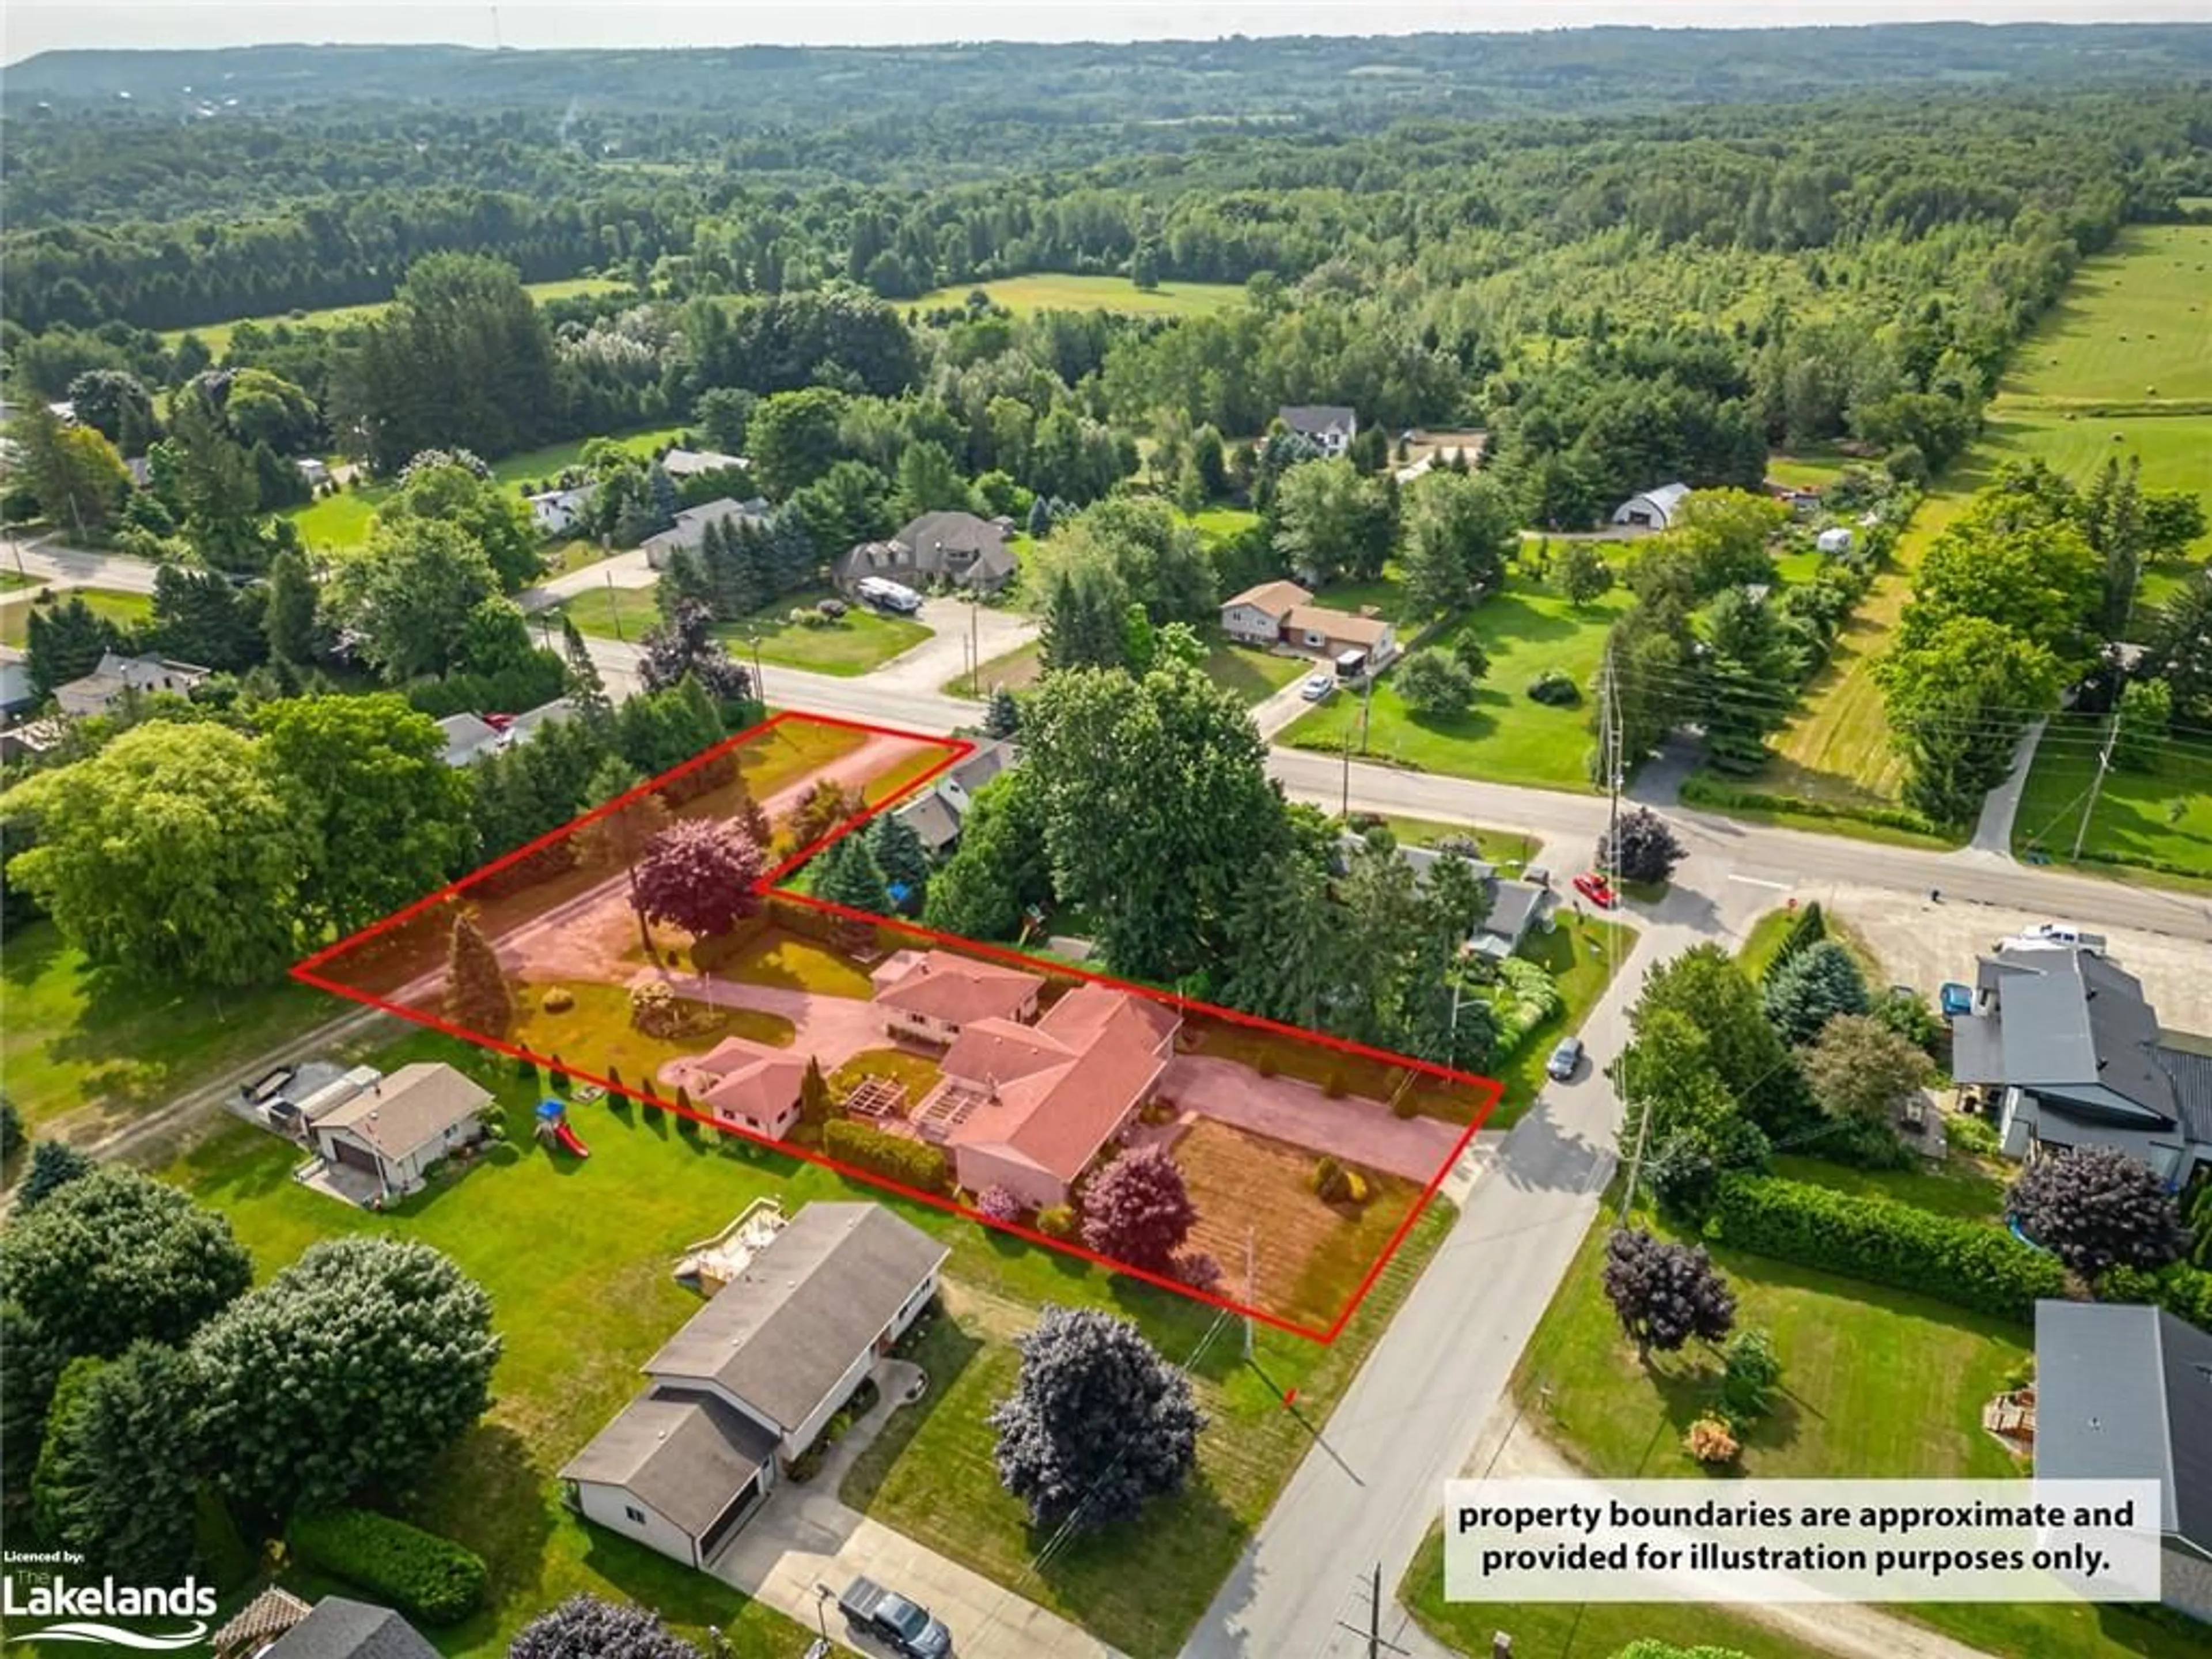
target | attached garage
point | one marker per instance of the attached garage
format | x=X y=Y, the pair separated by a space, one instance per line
x=396 y=1127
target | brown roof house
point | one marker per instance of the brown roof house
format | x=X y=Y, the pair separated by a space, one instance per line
x=398 y=1126
x=1029 y=1108
x=931 y=996
x=746 y=1084
x=752 y=1379
x=957 y=547
x=1283 y=613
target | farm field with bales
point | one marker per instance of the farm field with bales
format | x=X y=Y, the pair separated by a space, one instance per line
x=1057 y=291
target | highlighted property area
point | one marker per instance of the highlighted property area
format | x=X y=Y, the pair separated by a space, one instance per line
x=672 y=948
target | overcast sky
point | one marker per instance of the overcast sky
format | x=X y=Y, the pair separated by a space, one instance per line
x=33 y=26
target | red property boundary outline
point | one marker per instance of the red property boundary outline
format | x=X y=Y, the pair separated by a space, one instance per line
x=1488 y=1090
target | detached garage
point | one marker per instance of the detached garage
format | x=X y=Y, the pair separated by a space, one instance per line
x=398 y=1126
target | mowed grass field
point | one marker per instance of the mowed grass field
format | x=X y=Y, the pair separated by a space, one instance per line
x=1055 y=291
x=2133 y=330
x=124 y=610
x=2156 y=819
x=217 y=335
x=342 y=520
x=860 y=640
x=1504 y=736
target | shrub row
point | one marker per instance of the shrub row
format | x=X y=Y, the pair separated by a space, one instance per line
x=1704 y=792
x=422 y=1574
x=908 y=1161
x=2182 y=1291
x=1970 y=1264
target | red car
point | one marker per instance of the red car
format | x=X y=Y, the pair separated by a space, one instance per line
x=1595 y=888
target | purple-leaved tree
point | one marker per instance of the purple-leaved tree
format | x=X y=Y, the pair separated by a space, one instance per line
x=700 y=876
x=1137 y=1210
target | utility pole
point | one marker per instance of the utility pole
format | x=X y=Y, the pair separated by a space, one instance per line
x=1344 y=813
x=760 y=688
x=1609 y=748
x=975 y=650
x=2104 y=765
x=1377 y=1647
x=614 y=608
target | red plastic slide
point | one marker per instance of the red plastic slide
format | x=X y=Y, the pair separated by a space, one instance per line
x=566 y=1137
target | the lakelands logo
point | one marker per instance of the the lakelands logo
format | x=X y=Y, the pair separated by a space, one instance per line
x=82 y=1611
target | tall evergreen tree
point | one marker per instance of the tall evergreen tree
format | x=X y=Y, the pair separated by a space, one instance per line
x=478 y=998
x=290 y=620
x=900 y=855
x=63 y=642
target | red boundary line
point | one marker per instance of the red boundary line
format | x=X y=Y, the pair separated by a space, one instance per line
x=306 y=972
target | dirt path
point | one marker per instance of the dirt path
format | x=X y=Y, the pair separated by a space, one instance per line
x=1358 y=1131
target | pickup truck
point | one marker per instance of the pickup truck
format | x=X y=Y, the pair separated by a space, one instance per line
x=907 y=1629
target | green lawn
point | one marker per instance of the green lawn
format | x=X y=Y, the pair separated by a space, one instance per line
x=342 y=519
x=1253 y=676
x=1016 y=671
x=217 y=335
x=1836 y=749
x=1582 y=955
x=1815 y=469
x=1969 y=1187
x=1054 y=291
x=577 y=1254
x=1505 y=847
x=1566 y=1630
x=1221 y=523
x=124 y=610
x=1139 y=1585
x=2158 y=819
x=860 y=640
x=1506 y=736
x=596 y=1036
x=78 y=1044
x=1876 y=1384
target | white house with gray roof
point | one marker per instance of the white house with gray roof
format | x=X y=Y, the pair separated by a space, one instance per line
x=754 y=1378
x=2066 y=1042
x=689 y=534
x=2123 y=1392
x=1331 y=426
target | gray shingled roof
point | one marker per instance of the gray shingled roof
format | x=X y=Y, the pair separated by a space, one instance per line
x=1313 y=418
x=2124 y=1392
x=681 y=1450
x=2067 y=1025
x=2190 y=1070
x=782 y=1335
x=342 y=1629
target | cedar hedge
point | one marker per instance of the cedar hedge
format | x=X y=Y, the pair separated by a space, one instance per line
x=910 y=1163
x=2182 y=1291
x=1970 y=1264
x=422 y=1574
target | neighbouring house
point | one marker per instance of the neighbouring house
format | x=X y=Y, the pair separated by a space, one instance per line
x=1029 y=1108
x=931 y=996
x=1835 y=542
x=316 y=472
x=17 y=696
x=1331 y=426
x=115 y=676
x=682 y=464
x=1283 y=614
x=2066 y=1043
x=469 y=738
x=258 y=1624
x=689 y=534
x=753 y=1378
x=937 y=815
x=957 y=547
x=23 y=739
x=557 y=512
x=1516 y=906
x=399 y=1126
x=2123 y=1392
x=744 y=1084
x=1655 y=509
x=1798 y=498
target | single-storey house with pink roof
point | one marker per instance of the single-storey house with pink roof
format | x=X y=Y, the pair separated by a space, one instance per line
x=931 y=996
x=747 y=1085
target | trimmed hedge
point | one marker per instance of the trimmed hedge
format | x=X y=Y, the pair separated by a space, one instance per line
x=910 y=1163
x=422 y=1574
x=1969 y=1264
x=2182 y=1291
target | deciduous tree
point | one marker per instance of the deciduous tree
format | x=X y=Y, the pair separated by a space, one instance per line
x=1434 y=686
x=385 y=1335
x=700 y=876
x=1098 y=1423
x=410 y=593
x=2097 y=1207
x=1859 y=1069
x=1646 y=849
x=114 y=1256
x=1460 y=529
x=435 y=487
x=1331 y=522
x=1582 y=573
x=585 y=1627
x=1665 y=1293
x=175 y=854
x=1137 y=1210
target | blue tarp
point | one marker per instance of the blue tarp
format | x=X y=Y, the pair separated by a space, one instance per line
x=552 y=1109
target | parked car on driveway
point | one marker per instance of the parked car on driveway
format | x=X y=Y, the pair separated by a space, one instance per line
x=1317 y=688
x=1597 y=890
x=906 y=1629
x=1566 y=1058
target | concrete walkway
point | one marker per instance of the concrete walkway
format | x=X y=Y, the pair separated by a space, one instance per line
x=1355 y=1130
x=805 y=1539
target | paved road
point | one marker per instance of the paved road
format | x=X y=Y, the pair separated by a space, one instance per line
x=47 y=561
